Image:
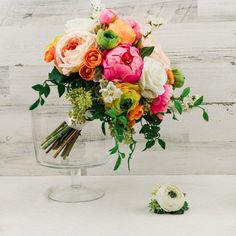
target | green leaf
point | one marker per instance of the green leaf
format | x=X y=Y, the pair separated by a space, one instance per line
x=146 y=51
x=123 y=120
x=198 y=101
x=118 y=162
x=61 y=89
x=178 y=106
x=111 y=113
x=149 y=144
x=35 y=104
x=56 y=77
x=185 y=92
x=205 y=115
x=46 y=90
x=114 y=149
x=145 y=128
x=38 y=87
x=103 y=128
x=42 y=101
x=162 y=143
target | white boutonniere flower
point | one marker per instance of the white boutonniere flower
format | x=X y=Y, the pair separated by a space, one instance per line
x=168 y=198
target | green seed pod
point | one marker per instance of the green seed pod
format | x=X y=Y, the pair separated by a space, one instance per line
x=179 y=77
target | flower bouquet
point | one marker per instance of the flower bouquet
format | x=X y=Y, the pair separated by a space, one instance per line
x=110 y=70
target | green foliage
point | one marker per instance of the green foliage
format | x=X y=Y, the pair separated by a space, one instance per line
x=154 y=207
x=146 y=51
x=205 y=115
x=185 y=92
x=178 y=106
x=61 y=89
x=198 y=102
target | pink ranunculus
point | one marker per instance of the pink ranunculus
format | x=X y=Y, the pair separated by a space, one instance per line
x=136 y=27
x=160 y=103
x=107 y=16
x=123 y=64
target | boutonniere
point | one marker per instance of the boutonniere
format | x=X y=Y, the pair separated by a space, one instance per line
x=168 y=198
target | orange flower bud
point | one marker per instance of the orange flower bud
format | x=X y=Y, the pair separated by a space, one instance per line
x=51 y=50
x=92 y=58
x=86 y=73
x=170 y=76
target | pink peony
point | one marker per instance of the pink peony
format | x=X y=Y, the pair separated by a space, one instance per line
x=160 y=103
x=107 y=16
x=135 y=26
x=122 y=64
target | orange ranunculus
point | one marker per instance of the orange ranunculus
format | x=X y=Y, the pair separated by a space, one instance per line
x=86 y=73
x=51 y=50
x=92 y=58
x=170 y=76
x=123 y=30
x=135 y=114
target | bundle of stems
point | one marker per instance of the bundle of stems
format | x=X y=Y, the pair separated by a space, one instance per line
x=61 y=140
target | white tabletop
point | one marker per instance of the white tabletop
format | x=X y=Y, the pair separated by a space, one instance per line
x=25 y=209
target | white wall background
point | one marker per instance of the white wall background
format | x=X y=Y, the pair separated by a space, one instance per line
x=200 y=37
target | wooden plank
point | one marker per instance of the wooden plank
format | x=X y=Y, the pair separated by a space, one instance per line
x=209 y=42
x=21 y=12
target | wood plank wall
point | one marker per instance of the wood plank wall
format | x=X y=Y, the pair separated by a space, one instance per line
x=200 y=37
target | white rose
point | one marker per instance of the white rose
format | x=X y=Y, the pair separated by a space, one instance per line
x=83 y=24
x=70 y=50
x=153 y=78
x=170 y=198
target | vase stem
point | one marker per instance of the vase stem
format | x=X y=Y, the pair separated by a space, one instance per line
x=75 y=178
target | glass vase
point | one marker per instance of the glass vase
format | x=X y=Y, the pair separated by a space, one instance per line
x=90 y=150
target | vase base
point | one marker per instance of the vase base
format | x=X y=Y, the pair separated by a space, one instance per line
x=75 y=194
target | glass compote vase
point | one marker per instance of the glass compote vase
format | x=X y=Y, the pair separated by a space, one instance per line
x=90 y=150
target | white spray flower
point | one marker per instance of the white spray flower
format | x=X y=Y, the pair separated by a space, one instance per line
x=110 y=92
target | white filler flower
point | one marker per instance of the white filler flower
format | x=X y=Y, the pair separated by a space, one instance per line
x=170 y=198
x=110 y=92
x=153 y=78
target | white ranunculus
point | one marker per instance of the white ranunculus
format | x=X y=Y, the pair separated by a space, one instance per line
x=153 y=78
x=82 y=24
x=170 y=198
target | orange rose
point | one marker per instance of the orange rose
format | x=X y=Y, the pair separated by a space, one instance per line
x=135 y=114
x=51 y=50
x=86 y=73
x=170 y=76
x=92 y=58
x=123 y=30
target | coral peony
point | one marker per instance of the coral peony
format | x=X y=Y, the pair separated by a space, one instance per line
x=123 y=30
x=135 y=26
x=123 y=64
x=107 y=16
x=160 y=103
